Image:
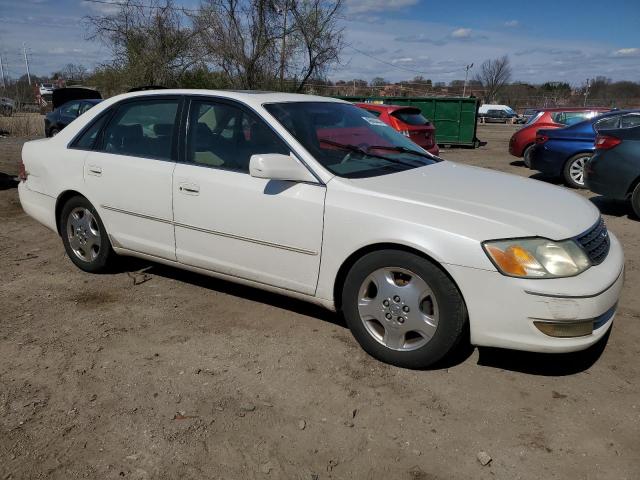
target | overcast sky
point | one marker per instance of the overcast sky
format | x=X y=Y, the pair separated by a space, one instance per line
x=562 y=40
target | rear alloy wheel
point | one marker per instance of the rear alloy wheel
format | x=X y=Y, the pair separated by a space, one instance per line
x=84 y=236
x=526 y=157
x=574 y=170
x=53 y=132
x=635 y=200
x=402 y=309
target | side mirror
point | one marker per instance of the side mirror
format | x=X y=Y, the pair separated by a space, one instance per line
x=276 y=166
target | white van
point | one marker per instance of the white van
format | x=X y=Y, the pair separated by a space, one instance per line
x=505 y=108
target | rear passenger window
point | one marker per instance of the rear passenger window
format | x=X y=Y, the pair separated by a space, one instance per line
x=630 y=121
x=224 y=136
x=142 y=129
x=605 y=123
x=87 y=140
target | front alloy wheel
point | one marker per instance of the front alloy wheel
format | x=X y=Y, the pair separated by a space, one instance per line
x=398 y=308
x=402 y=308
x=574 y=170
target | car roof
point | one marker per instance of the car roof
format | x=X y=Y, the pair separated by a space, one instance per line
x=249 y=97
x=575 y=109
x=384 y=106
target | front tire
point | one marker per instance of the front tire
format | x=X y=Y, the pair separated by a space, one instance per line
x=84 y=237
x=574 y=170
x=635 y=200
x=403 y=309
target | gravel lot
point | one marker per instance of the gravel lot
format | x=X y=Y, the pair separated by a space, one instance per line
x=157 y=373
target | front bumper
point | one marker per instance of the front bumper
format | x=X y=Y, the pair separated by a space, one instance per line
x=502 y=310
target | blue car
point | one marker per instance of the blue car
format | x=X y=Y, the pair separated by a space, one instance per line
x=563 y=152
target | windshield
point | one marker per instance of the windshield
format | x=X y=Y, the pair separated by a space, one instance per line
x=348 y=141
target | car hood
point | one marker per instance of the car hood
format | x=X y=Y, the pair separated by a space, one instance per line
x=483 y=204
x=61 y=96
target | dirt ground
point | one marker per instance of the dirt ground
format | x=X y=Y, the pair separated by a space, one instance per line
x=163 y=374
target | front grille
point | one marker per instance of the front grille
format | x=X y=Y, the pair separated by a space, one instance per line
x=595 y=242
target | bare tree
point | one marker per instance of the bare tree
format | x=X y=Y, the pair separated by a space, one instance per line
x=74 y=73
x=149 y=41
x=240 y=37
x=494 y=74
x=252 y=42
x=318 y=36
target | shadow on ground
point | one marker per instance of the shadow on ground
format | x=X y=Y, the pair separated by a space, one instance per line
x=547 y=179
x=134 y=266
x=542 y=364
x=141 y=269
x=7 y=182
x=615 y=208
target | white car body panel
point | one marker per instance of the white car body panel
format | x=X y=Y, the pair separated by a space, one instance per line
x=294 y=238
x=280 y=241
x=120 y=187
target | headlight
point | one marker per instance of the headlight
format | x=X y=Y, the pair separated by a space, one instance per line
x=537 y=257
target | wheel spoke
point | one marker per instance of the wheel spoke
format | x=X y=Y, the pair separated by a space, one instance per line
x=74 y=242
x=384 y=282
x=393 y=338
x=369 y=308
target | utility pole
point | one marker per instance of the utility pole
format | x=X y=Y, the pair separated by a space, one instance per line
x=466 y=77
x=284 y=44
x=26 y=61
x=586 y=92
x=2 y=73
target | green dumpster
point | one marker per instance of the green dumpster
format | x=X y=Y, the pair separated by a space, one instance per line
x=453 y=117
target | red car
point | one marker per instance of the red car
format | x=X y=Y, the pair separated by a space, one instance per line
x=407 y=120
x=523 y=141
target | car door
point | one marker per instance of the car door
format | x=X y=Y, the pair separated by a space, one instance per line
x=128 y=177
x=232 y=223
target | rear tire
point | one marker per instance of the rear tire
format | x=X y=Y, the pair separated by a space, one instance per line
x=403 y=309
x=635 y=201
x=53 y=132
x=526 y=156
x=84 y=237
x=573 y=171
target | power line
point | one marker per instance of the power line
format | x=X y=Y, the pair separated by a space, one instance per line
x=141 y=5
x=400 y=67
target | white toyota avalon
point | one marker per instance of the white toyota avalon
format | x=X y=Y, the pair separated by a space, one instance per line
x=317 y=199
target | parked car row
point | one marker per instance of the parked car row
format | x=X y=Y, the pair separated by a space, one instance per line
x=564 y=143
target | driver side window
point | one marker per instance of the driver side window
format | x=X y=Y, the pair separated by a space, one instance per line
x=224 y=136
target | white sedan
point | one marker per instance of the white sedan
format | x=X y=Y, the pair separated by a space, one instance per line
x=317 y=199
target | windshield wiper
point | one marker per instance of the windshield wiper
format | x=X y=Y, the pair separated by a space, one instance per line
x=400 y=149
x=362 y=151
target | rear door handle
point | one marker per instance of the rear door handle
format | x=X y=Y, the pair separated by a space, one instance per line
x=95 y=170
x=189 y=188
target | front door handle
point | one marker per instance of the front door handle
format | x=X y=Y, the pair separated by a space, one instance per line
x=189 y=188
x=95 y=170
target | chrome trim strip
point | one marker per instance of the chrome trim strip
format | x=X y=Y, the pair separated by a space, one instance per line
x=214 y=232
x=551 y=295
x=139 y=215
